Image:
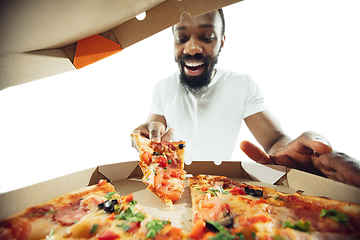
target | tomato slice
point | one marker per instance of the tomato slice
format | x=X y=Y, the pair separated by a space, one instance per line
x=198 y=229
x=237 y=191
x=146 y=157
x=162 y=161
x=102 y=182
x=108 y=235
x=167 y=185
x=210 y=209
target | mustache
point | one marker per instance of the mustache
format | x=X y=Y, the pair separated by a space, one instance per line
x=197 y=56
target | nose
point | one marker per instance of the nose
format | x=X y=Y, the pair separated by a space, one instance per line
x=192 y=47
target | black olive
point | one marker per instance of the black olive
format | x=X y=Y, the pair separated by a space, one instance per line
x=181 y=145
x=211 y=227
x=108 y=206
x=253 y=192
x=101 y=205
x=226 y=220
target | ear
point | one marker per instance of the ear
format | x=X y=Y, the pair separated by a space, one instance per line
x=222 y=41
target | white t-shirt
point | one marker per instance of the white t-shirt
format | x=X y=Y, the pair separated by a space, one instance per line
x=210 y=123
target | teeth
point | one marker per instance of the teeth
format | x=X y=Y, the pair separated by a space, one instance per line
x=194 y=64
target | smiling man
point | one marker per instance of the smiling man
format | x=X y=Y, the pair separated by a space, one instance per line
x=206 y=106
x=197 y=61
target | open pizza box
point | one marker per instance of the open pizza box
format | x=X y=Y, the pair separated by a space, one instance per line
x=126 y=177
x=31 y=49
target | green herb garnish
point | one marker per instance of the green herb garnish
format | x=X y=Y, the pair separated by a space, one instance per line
x=299 y=225
x=124 y=226
x=212 y=191
x=94 y=228
x=130 y=216
x=154 y=226
x=277 y=197
x=222 y=232
x=335 y=215
x=223 y=191
x=109 y=195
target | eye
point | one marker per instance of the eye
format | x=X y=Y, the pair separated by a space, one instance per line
x=181 y=39
x=209 y=38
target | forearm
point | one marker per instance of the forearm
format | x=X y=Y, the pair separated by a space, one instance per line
x=278 y=144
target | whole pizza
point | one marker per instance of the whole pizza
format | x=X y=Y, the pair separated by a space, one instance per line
x=222 y=209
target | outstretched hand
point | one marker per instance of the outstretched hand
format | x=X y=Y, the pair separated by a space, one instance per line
x=311 y=153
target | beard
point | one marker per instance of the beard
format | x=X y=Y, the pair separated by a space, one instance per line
x=197 y=84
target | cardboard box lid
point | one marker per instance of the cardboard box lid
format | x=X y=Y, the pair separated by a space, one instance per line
x=38 y=38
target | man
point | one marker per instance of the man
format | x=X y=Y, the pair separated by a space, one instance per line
x=205 y=107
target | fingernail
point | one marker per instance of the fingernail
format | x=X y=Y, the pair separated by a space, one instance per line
x=322 y=140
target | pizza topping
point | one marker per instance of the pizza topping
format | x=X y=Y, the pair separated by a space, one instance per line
x=299 y=225
x=108 y=205
x=253 y=192
x=70 y=213
x=181 y=146
x=102 y=182
x=154 y=226
x=335 y=215
x=108 y=235
x=167 y=184
x=237 y=191
x=146 y=157
x=94 y=228
x=15 y=228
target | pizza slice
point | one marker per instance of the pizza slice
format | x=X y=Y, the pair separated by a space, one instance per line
x=226 y=209
x=95 y=212
x=162 y=164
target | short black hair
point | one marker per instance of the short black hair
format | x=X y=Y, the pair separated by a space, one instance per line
x=223 y=21
x=221 y=12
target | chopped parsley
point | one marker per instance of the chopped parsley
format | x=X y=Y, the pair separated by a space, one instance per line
x=335 y=215
x=299 y=225
x=154 y=226
x=109 y=195
x=94 y=228
x=211 y=190
x=124 y=226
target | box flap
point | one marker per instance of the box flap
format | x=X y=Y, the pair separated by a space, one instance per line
x=322 y=187
x=63 y=19
x=230 y=169
x=118 y=171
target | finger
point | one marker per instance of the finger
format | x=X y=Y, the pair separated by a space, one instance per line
x=167 y=135
x=255 y=153
x=142 y=130
x=315 y=142
x=156 y=129
x=340 y=167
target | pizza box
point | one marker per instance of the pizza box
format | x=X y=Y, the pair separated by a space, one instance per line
x=126 y=177
x=40 y=38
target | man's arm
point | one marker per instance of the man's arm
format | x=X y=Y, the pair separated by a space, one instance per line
x=154 y=128
x=267 y=131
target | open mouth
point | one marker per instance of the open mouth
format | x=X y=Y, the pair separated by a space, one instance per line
x=194 y=68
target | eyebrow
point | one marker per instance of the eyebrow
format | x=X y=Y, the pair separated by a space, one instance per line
x=201 y=26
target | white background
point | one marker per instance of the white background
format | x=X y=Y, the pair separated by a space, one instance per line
x=304 y=55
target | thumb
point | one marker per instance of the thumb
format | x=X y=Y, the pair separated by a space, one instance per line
x=167 y=135
x=255 y=153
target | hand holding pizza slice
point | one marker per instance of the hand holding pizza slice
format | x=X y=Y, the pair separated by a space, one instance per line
x=162 y=164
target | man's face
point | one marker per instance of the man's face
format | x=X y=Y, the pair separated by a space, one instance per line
x=197 y=43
